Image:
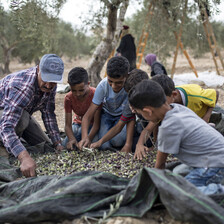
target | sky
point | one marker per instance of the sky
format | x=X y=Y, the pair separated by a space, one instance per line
x=73 y=9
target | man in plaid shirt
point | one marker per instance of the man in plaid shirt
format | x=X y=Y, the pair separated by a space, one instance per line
x=21 y=94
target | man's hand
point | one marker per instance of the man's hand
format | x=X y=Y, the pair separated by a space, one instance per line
x=140 y=151
x=70 y=144
x=84 y=143
x=95 y=145
x=28 y=165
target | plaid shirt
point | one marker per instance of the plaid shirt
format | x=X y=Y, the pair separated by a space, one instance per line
x=19 y=91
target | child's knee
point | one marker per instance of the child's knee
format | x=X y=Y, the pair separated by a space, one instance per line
x=105 y=146
x=118 y=142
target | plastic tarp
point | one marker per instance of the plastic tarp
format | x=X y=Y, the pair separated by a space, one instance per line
x=90 y=193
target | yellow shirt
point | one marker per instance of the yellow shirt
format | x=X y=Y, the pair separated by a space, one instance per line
x=197 y=98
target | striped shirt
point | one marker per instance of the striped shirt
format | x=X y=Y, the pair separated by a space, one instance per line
x=19 y=91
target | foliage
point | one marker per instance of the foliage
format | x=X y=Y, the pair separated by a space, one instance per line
x=161 y=37
x=8 y=39
x=36 y=28
x=33 y=29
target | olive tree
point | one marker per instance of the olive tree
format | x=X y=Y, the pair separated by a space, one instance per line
x=109 y=41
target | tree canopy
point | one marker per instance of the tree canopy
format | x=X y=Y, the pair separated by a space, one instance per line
x=32 y=28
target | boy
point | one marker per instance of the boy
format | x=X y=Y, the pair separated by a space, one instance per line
x=201 y=101
x=111 y=94
x=183 y=134
x=127 y=117
x=78 y=101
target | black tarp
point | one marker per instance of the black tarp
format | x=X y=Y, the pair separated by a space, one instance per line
x=90 y=193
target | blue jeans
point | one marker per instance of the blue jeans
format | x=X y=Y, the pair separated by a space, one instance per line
x=137 y=133
x=77 y=131
x=107 y=122
x=207 y=180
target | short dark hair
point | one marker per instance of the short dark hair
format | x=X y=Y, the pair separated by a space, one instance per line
x=146 y=93
x=117 y=67
x=166 y=82
x=134 y=77
x=77 y=75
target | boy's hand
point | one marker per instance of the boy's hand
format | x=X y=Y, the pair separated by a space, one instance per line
x=126 y=149
x=59 y=147
x=84 y=143
x=95 y=145
x=70 y=144
x=140 y=151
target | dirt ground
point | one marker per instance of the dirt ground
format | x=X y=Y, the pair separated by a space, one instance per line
x=204 y=63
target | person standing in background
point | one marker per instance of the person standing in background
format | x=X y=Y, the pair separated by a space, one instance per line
x=127 y=47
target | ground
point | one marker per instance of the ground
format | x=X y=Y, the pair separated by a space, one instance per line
x=204 y=63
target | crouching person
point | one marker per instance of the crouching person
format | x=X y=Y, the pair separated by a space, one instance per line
x=183 y=134
x=78 y=100
x=21 y=94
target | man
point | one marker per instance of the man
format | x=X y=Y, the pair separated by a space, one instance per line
x=21 y=94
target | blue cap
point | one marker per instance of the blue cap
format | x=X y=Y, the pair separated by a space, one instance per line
x=51 y=68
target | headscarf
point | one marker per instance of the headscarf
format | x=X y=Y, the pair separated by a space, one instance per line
x=150 y=58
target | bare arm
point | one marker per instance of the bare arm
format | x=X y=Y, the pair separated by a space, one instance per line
x=129 y=138
x=140 y=150
x=85 y=124
x=96 y=124
x=217 y=96
x=207 y=115
x=109 y=135
x=69 y=132
x=160 y=160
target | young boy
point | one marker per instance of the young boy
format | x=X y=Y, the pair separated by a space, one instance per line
x=127 y=117
x=201 y=101
x=78 y=101
x=183 y=134
x=113 y=98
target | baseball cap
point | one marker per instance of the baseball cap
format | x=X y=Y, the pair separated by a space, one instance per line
x=51 y=68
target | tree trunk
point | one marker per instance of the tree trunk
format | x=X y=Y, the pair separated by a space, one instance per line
x=7 y=49
x=6 y=53
x=105 y=47
x=120 y=21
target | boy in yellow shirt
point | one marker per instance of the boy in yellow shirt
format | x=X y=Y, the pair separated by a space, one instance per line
x=201 y=101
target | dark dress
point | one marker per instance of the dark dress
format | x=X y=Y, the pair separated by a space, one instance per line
x=157 y=69
x=128 y=50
